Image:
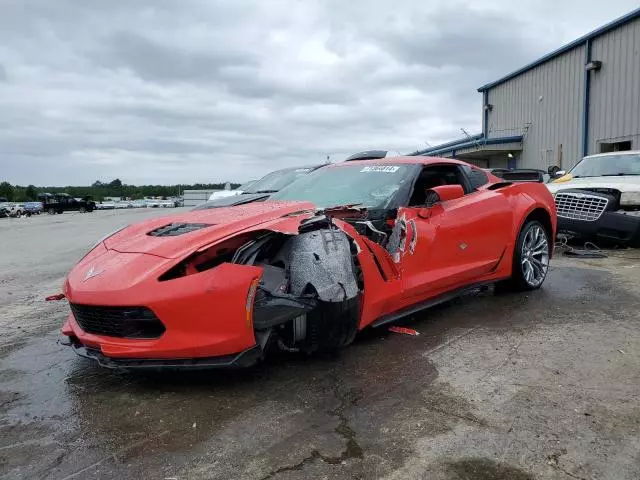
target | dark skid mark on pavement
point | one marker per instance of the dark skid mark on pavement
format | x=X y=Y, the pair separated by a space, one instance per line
x=60 y=414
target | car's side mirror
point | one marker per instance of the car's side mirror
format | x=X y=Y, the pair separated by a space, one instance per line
x=439 y=194
x=554 y=171
x=446 y=192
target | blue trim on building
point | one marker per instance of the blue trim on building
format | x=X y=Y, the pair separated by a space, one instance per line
x=485 y=118
x=589 y=36
x=467 y=143
x=586 y=98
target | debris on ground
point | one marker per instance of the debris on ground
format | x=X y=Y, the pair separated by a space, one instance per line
x=404 y=330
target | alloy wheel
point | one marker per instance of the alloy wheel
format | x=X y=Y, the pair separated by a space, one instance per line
x=535 y=256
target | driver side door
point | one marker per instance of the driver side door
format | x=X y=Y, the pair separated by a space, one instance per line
x=453 y=243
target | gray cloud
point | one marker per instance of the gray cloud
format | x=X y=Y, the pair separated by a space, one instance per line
x=159 y=91
x=155 y=62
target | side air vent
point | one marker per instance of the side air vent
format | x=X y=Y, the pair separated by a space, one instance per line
x=175 y=229
x=499 y=185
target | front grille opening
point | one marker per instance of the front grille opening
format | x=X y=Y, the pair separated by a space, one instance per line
x=580 y=206
x=175 y=229
x=120 y=322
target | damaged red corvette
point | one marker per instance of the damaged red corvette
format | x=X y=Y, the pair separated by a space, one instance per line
x=349 y=246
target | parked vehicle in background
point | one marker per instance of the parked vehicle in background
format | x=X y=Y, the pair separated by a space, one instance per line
x=12 y=209
x=368 y=155
x=63 y=202
x=230 y=193
x=32 y=208
x=105 y=206
x=520 y=174
x=261 y=189
x=600 y=197
x=123 y=204
x=4 y=211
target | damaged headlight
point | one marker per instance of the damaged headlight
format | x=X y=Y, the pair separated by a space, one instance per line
x=628 y=199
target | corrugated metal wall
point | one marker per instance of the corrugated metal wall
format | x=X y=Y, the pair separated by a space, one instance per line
x=549 y=99
x=193 y=198
x=614 y=110
x=556 y=119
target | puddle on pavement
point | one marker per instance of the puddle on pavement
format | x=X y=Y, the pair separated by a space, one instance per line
x=484 y=469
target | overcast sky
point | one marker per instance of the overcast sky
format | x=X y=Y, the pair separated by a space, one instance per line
x=179 y=91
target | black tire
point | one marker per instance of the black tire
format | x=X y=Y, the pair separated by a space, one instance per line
x=82 y=209
x=60 y=212
x=520 y=280
x=51 y=211
x=332 y=325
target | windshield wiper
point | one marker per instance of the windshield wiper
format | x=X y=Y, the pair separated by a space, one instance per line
x=264 y=191
x=347 y=206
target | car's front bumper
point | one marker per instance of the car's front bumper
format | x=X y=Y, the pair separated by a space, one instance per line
x=203 y=315
x=243 y=359
x=612 y=226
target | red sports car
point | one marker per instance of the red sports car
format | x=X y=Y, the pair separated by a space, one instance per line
x=352 y=245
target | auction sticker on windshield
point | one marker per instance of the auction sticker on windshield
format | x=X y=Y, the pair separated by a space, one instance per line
x=380 y=168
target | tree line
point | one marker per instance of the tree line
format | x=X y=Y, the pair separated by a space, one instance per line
x=98 y=190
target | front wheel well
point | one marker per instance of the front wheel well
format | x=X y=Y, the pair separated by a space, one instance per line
x=542 y=216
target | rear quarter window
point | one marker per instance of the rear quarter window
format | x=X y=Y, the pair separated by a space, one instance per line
x=477 y=177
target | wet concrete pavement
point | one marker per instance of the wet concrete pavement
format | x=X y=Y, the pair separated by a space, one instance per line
x=538 y=385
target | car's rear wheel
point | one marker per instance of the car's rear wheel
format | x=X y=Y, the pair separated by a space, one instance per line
x=82 y=209
x=531 y=257
x=51 y=211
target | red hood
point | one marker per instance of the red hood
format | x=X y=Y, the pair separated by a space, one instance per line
x=223 y=221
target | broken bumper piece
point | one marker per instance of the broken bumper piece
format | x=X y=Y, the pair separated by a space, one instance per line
x=244 y=359
x=271 y=309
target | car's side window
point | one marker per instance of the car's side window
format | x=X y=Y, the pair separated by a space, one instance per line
x=477 y=177
x=435 y=176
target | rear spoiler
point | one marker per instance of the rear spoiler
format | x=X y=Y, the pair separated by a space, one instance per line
x=519 y=174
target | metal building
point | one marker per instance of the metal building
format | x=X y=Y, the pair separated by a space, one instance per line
x=581 y=99
x=193 y=198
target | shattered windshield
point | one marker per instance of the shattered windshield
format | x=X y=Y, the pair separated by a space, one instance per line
x=371 y=186
x=275 y=181
x=609 y=165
